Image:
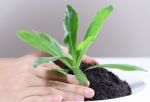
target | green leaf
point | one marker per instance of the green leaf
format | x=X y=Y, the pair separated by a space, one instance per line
x=45 y=60
x=98 y=21
x=93 y=30
x=51 y=41
x=60 y=71
x=84 y=43
x=70 y=28
x=67 y=61
x=41 y=41
x=80 y=76
x=123 y=67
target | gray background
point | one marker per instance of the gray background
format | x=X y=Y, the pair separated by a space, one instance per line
x=125 y=34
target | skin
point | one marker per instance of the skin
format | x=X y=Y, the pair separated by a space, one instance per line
x=19 y=82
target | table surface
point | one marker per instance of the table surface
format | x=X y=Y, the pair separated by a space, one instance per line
x=144 y=95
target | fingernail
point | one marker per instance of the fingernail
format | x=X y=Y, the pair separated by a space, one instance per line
x=79 y=98
x=57 y=98
x=89 y=93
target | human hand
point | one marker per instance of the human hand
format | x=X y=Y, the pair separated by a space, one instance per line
x=21 y=83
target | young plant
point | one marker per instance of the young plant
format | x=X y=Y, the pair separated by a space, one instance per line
x=46 y=43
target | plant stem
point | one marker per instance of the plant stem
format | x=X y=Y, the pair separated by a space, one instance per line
x=81 y=77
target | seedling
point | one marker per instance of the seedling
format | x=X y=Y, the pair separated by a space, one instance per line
x=46 y=43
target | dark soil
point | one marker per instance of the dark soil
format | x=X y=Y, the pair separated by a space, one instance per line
x=105 y=83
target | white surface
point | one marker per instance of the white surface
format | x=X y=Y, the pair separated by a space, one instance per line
x=142 y=96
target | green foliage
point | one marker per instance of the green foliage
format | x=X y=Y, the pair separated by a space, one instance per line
x=46 y=43
x=70 y=28
x=93 y=30
x=123 y=67
x=41 y=41
x=45 y=60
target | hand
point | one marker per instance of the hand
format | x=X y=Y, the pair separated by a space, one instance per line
x=19 y=82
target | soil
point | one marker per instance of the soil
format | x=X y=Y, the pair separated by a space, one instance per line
x=105 y=83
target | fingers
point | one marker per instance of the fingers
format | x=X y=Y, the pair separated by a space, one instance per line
x=46 y=73
x=84 y=91
x=47 y=98
x=44 y=91
x=88 y=60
